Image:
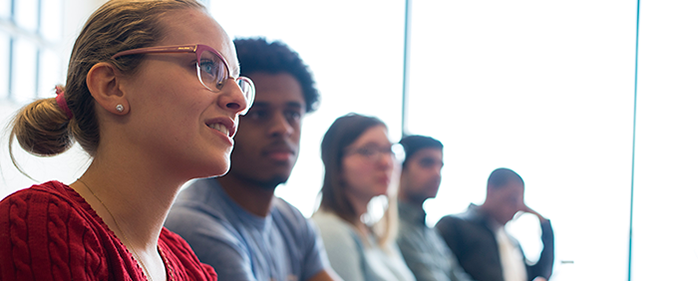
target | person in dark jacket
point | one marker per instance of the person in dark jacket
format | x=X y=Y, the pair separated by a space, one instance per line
x=478 y=238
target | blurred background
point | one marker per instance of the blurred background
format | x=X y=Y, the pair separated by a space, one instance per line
x=603 y=126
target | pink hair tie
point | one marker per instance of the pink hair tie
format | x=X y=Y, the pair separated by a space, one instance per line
x=61 y=101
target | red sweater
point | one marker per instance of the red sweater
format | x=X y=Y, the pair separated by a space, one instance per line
x=49 y=232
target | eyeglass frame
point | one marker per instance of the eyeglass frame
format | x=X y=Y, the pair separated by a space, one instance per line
x=376 y=152
x=197 y=49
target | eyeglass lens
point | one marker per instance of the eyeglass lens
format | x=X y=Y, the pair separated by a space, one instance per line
x=212 y=71
x=246 y=87
x=213 y=74
x=373 y=153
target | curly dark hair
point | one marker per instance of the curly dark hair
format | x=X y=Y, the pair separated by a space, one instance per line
x=259 y=55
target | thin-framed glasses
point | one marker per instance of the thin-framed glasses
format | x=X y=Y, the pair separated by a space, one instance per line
x=371 y=152
x=212 y=69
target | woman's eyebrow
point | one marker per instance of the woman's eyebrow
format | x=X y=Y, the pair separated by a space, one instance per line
x=374 y=144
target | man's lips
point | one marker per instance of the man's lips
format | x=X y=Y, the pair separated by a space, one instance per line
x=280 y=155
x=278 y=152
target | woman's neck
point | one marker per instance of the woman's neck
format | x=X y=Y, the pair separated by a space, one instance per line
x=133 y=195
x=359 y=205
x=122 y=197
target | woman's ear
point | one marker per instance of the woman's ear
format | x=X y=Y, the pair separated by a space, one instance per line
x=103 y=82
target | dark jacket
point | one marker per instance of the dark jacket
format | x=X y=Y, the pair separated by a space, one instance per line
x=472 y=240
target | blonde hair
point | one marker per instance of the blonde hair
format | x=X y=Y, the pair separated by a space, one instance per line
x=41 y=127
x=387 y=227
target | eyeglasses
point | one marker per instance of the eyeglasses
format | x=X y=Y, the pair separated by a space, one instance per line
x=372 y=153
x=212 y=69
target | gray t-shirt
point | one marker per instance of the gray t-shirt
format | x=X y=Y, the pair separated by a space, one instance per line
x=241 y=246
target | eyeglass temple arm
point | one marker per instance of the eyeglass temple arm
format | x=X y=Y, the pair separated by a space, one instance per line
x=164 y=49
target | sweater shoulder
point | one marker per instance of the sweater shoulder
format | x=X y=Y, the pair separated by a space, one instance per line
x=44 y=230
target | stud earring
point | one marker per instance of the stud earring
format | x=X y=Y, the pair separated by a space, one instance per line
x=120 y=108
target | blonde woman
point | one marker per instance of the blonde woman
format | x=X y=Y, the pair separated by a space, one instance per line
x=359 y=163
x=153 y=95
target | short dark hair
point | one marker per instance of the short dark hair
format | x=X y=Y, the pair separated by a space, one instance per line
x=414 y=143
x=502 y=176
x=259 y=55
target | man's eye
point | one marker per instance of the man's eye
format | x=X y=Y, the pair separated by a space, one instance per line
x=293 y=115
x=256 y=115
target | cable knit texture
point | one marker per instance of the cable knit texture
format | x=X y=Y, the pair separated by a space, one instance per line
x=49 y=232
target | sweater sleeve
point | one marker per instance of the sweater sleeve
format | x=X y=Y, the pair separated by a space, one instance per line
x=43 y=237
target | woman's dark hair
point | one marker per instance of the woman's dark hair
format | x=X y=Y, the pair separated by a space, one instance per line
x=343 y=132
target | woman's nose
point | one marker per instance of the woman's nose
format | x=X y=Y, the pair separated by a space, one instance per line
x=235 y=99
x=386 y=160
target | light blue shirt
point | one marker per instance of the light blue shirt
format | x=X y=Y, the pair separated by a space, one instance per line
x=241 y=246
x=357 y=259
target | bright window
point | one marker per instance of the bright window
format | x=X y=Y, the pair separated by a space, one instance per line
x=355 y=51
x=4 y=65
x=546 y=88
x=541 y=88
x=30 y=41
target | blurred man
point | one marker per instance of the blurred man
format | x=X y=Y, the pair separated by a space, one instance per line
x=424 y=250
x=235 y=223
x=479 y=240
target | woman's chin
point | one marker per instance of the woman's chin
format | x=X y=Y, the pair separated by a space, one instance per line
x=217 y=170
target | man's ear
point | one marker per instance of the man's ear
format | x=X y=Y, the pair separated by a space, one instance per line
x=103 y=82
